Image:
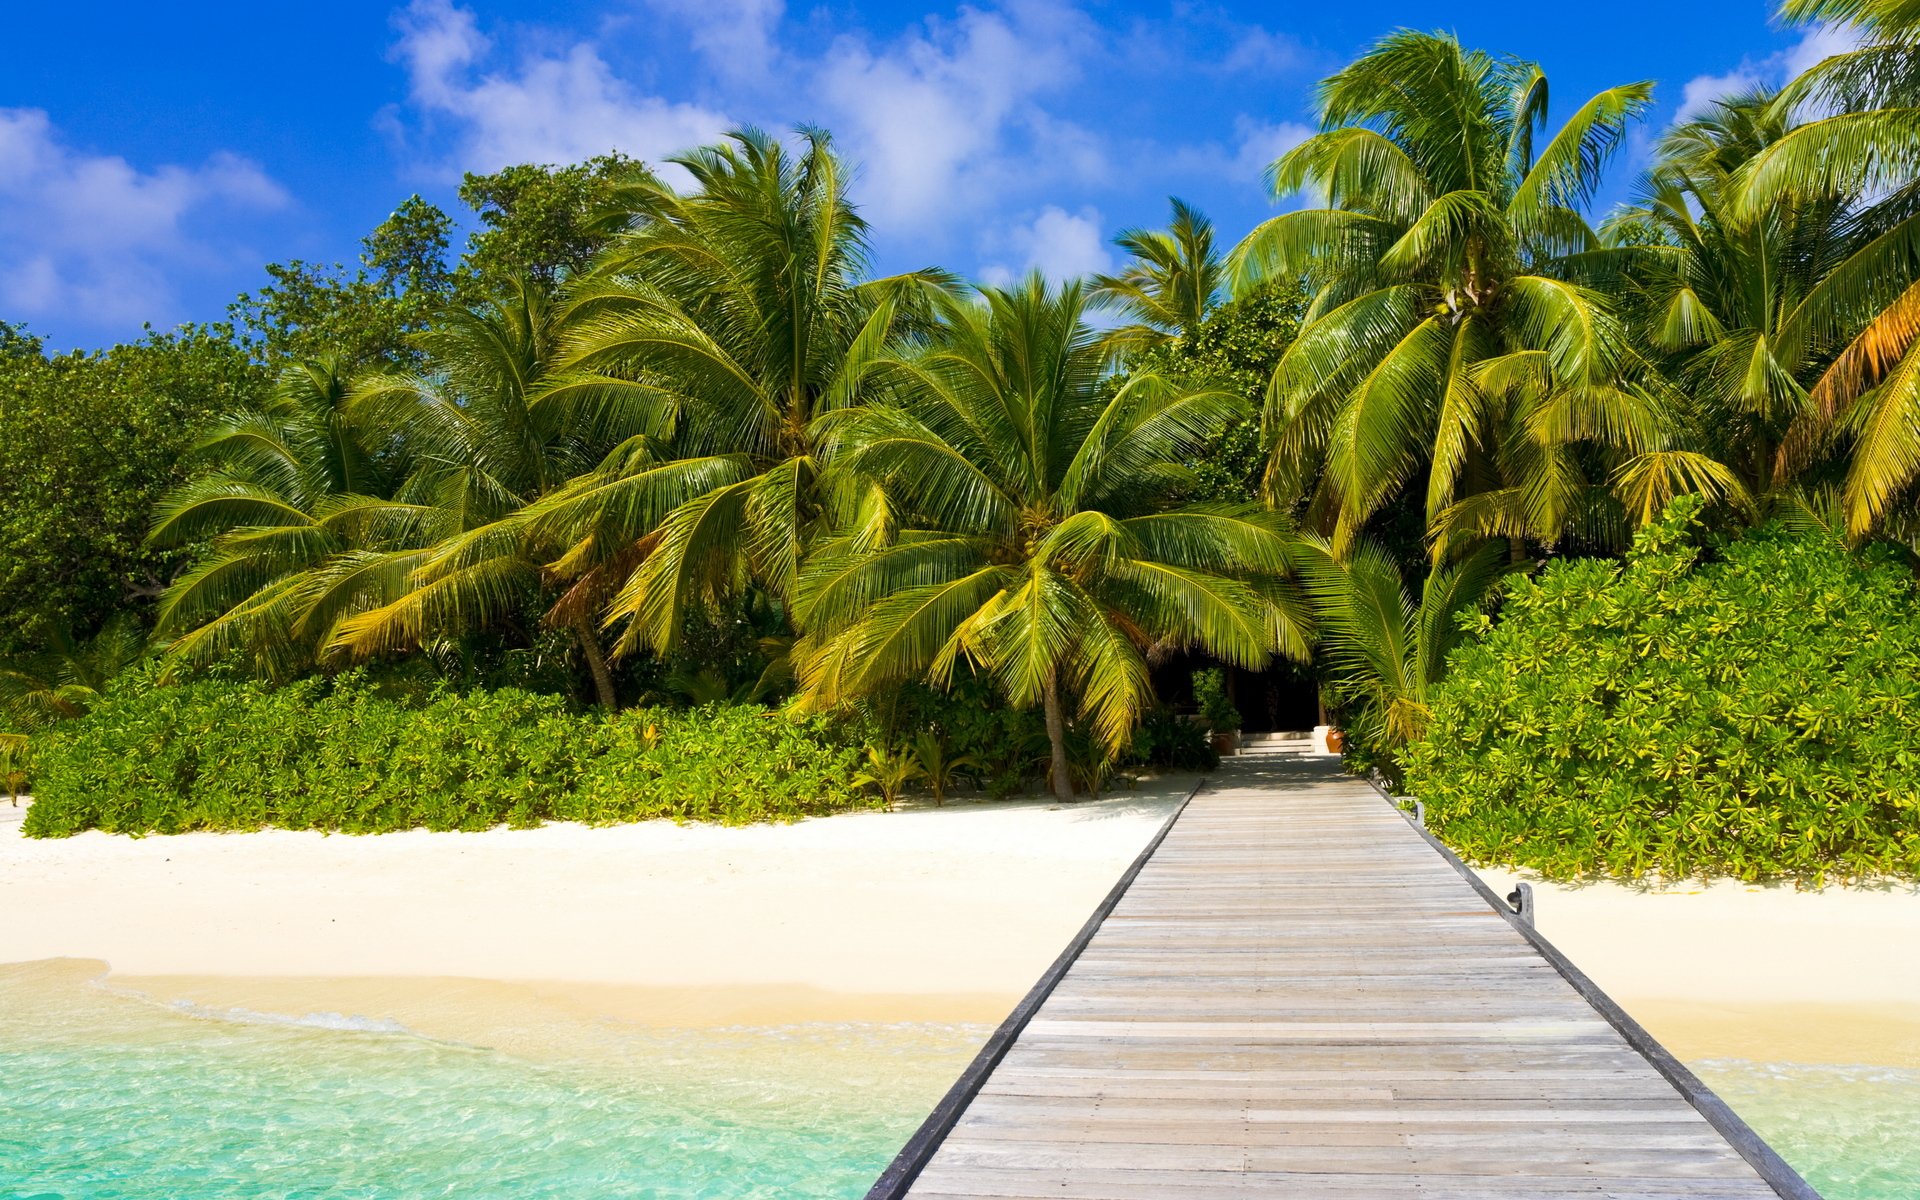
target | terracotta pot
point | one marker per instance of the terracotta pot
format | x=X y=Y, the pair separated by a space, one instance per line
x=1336 y=742
x=1225 y=744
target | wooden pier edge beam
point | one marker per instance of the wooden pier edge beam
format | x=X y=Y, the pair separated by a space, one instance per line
x=1763 y=1158
x=914 y=1156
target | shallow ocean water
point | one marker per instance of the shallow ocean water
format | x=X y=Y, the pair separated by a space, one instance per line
x=1852 y=1132
x=103 y=1097
x=110 y=1098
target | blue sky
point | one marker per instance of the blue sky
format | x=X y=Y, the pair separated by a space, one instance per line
x=151 y=162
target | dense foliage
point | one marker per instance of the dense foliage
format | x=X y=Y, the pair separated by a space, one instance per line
x=673 y=445
x=1748 y=710
x=88 y=444
x=1034 y=529
x=538 y=224
x=217 y=754
x=1453 y=356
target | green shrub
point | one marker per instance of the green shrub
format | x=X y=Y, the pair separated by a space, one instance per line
x=732 y=763
x=1755 y=713
x=1216 y=708
x=1164 y=738
x=1005 y=748
x=216 y=754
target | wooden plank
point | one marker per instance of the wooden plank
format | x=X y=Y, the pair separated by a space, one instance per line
x=1297 y=992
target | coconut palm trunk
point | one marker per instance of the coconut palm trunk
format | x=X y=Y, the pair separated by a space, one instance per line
x=589 y=639
x=1060 y=774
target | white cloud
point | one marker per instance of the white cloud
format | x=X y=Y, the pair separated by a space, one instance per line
x=551 y=109
x=1703 y=91
x=98 y=238
x=1819 y=42
x=1058 y=244
x=1261 y=143
x=735 y=37
x=943 y=120
x=1698 y=94
x=1260 y=50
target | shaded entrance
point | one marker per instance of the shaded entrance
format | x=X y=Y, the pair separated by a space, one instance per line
x=1282 y=697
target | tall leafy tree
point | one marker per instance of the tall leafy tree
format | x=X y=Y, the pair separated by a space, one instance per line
x=538 y=224
x=88 y=443
x=360 y=317
x=1026 y=531
x=740 y=317
x=1172 y=280
x=1449 y=344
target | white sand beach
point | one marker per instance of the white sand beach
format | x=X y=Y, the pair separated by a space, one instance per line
x=937 y=914
x=1747 y=970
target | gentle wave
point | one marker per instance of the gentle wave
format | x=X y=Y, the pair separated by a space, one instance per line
x=333 y=1021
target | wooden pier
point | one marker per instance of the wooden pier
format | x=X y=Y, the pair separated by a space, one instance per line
x=1295 y=991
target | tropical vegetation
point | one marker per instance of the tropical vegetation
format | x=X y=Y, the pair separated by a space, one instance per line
x=1024 y=527
x=1736 y=705
x=654 y=448
x=337 y=754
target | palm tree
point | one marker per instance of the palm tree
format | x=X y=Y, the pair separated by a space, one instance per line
x=1023 y=530
x=67 y=676
x=306 y=567
x=1385 y=649
x=1852 y=136
x=1447 y=337
x=737 y=314
x=289 y=487
x=1862 y=131
x=484 y=441
x=1167 y=289
x=1750 y=305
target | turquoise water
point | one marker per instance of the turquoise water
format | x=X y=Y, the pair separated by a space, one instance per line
x=107 y=1098
x=123 y=1101
x=1853 y=1132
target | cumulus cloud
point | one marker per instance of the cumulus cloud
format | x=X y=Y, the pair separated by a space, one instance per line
x=549 y=108
x=1058 y=244
x=948 y=116
x=99 y=237
x=952 y=119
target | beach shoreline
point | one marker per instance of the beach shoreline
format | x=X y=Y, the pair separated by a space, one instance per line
x=968 y=899
x=527 y=940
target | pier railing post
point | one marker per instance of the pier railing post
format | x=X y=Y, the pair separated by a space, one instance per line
x=1521 y=901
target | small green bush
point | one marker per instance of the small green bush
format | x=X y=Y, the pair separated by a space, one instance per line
x=1755 y=714
x=216 y=754
x=1164 y=738
x=732 y=763
x=1005 y=747
x=1216 y=707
